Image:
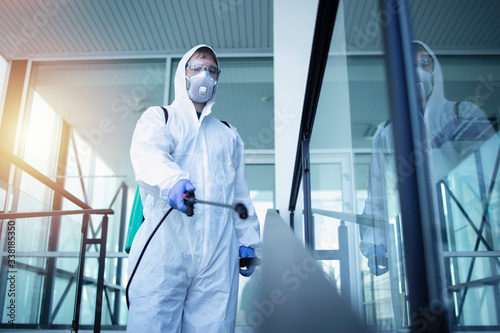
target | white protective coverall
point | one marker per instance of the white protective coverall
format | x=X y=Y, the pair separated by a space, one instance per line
x=440 y=118
x=187 y=279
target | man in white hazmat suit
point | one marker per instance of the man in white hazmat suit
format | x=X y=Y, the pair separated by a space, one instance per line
x=187 y=279
x=453 y=131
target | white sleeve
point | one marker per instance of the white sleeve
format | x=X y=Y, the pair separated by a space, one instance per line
x=375 y=204
x=248 y=230
x=150 y=153
x=474 y=128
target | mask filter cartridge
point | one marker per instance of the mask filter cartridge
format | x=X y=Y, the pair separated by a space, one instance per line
x=201 y=87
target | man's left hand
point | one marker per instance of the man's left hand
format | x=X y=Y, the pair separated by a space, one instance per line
x=247 y=252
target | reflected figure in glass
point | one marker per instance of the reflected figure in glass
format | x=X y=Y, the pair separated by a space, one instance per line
x=454 y=130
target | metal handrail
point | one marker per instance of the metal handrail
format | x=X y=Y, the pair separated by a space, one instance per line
x=4 y=216
x=41 y=177
x=65 y=254
x=86 y=211
x=366 y=220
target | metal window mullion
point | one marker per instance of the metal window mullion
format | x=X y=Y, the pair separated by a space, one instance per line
x=81 y=264
x=121 y=247
x=423 y=275
x=55 y=228
x=306 y=187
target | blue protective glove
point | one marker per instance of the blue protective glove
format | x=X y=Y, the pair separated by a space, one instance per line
x=377 y=260
x=247 y=252
x=176 y=194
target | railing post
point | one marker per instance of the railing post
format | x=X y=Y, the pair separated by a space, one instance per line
x=46 y=313
x=81 y=264
x=121 y=245
x=100 y=274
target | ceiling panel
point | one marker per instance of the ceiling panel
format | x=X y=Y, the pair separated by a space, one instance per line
x=34 y=28
x=457 y=26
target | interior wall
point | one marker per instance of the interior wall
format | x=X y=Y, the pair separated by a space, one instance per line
x=293 y=33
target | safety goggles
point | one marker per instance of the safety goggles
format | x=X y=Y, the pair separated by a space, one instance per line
x=198 y=66
x=424 y=62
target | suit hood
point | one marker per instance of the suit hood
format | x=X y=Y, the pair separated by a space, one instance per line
x=437 y=95
x=182 y=100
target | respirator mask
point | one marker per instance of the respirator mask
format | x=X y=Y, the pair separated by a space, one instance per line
x=424 y=83
x=201 y=87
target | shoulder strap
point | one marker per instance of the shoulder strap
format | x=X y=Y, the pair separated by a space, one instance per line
x=166 y=117
x=166 y=114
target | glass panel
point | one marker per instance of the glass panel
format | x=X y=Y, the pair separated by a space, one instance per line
x=29 y=270
x=261 y=180
x=3 y=83
x=361 y=171
x=353 y=174
x=22 y=268
x=457 y=65
x=64 y=301
x=40 y=149
x=3 y=195
x=79 y=165
x=332 y=271
x=116 y=92
x=326 y=193
x=93 y=173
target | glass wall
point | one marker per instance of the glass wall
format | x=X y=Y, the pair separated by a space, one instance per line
x=350 y=150
x=39 y=145
x=261 y=179
x=460 y=104
x=357 y=172
x=76 y=130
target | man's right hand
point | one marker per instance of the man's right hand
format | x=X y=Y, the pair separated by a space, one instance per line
x=176 y=194
x=377 y=260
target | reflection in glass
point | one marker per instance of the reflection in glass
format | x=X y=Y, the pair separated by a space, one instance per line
x=460 y=119
x=352 y=112
x=469 y=207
